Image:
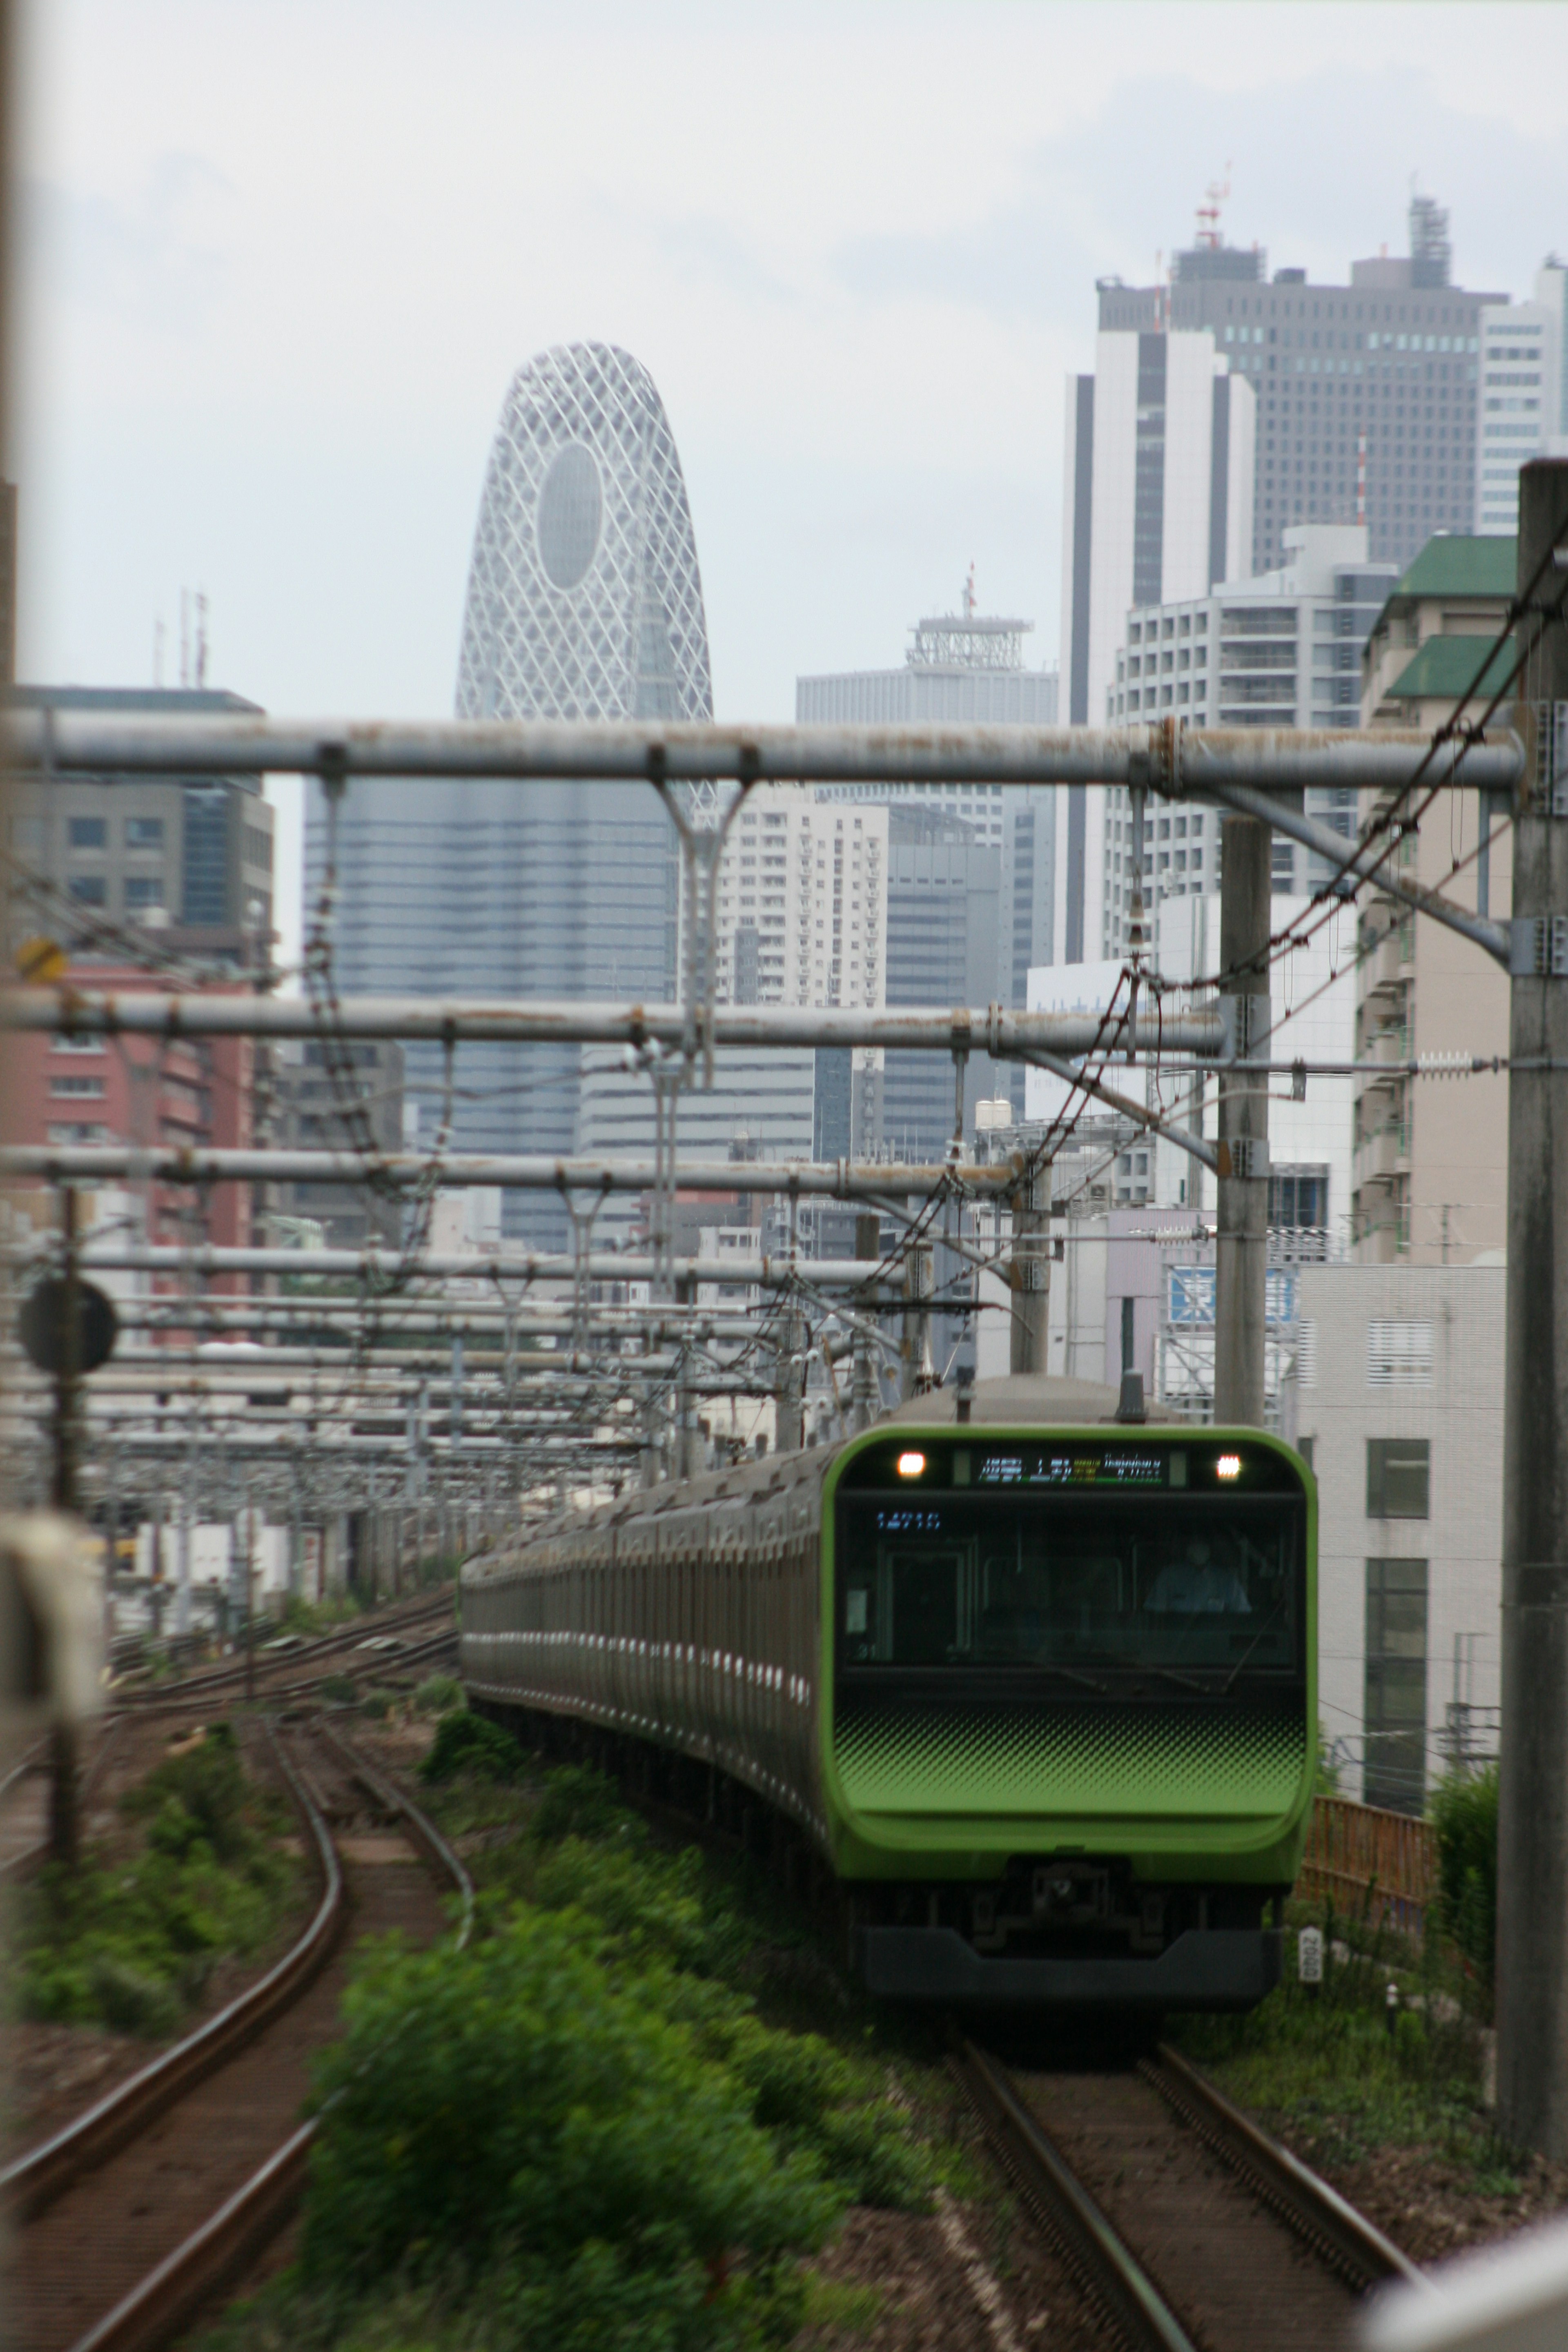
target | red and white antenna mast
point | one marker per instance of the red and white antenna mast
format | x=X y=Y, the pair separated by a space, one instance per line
x=1208 y=212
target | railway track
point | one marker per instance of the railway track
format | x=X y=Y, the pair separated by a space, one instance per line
x=1191 y=2228
x=22 y=1860
x=138 y=2213
x=346 y=1652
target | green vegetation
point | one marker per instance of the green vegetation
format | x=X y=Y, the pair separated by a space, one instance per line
x=1464 y=1815
x=471 y=1744
x=1342 y=2074
x=130 y=1940
x=438 y=1695
x=583 y=2134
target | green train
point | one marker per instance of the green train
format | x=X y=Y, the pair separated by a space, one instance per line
x=1037 y=1689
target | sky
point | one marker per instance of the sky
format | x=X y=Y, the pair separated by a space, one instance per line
x=277 y=261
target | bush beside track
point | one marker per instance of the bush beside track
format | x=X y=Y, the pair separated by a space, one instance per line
x=195 y=1875
x=627 y=2116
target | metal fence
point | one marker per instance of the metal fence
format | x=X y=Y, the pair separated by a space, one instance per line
x=1384 y=1864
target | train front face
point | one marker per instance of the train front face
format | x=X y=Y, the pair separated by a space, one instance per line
x=1069 y=1732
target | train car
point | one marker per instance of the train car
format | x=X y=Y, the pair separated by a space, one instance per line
x=1039 y=1688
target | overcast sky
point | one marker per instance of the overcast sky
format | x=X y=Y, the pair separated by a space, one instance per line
x=279 y=259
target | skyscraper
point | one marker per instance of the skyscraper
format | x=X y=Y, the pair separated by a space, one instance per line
x=1366 y=393
x=585 y=602
x=964 y=668
x=1157 y=508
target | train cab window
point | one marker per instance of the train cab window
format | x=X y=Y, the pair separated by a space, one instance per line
x=1081 y=1593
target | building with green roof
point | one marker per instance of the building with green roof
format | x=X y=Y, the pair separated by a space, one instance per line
x=1428 y=645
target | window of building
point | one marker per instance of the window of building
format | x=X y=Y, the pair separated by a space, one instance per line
x=143 y=890
x=90 y=889
x=76 y=1045
x=143 y=832
x=205 y=859
x=1399 y=1354
x=89 y=833
x=31 y=835
x=1394 y=1715
x=1398 y=1477
x=72 y=1084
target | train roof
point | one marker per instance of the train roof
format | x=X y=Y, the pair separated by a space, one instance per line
x=1022 y=1401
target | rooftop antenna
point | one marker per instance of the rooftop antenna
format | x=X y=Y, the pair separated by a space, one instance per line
x=185 y=637
x=199 y=676
x=969 y=592
x=1208 y=212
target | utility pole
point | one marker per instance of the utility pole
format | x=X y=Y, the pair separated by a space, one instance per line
x=1030 y=1273
x=1533 y=1847
x=867 y=1390
x=64 y=1809
x=249 y=1592
x=1241 y=1241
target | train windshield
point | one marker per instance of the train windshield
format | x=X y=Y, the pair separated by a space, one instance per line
x=1166 y=1587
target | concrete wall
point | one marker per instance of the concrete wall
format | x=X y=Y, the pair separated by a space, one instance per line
x=1457 y=1408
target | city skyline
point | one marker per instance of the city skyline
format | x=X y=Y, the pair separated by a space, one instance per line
x=897 y=325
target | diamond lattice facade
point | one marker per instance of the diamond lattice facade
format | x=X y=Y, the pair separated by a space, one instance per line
x=585 y=602
x=585 y=598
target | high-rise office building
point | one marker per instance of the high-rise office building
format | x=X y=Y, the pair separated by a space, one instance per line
x=1157 y=491
x=944 y=899
x=964 y=668
x=1366 y=392
x=1157 y=508
x=1524 y=395
x=585 y=602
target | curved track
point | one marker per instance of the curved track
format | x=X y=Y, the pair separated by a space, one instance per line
x=1193 y=2231
x=142 y=2208
x=422 y=1631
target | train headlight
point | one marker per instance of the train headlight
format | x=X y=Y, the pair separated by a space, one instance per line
x=1228 y=1466
x=912 y=1465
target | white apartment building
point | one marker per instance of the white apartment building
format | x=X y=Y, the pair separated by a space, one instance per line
x=1281 y=650
x=1524 y=393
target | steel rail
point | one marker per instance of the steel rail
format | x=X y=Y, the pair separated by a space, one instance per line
x=421 y=1828
x=56 y=742
x=173 y=1698
x=72 y=1011
x=328 y=1645
x=162 y=2304
x=1343 y=2238
x=33 y=2180
x=20 y=1866
x=1070 y=2216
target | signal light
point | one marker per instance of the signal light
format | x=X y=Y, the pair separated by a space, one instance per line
x=911 y=1466
x=1228 y=1466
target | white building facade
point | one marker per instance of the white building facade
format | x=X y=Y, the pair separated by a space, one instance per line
x=1281 y=650
x=1399 y=1408
x=1157 y=508
x=1524 y=395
